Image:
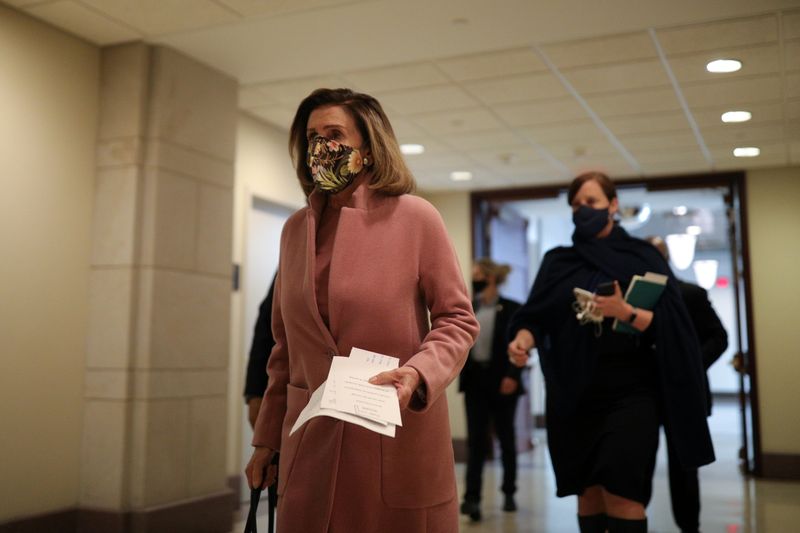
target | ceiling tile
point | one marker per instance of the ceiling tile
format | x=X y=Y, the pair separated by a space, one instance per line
x=791 y=55
x=404 y=128
x=733 y=91
x=541 y=112
x=747 y=133
x=793 y=85
x=763 y=59
x=84 y=22
x=647 y=123
x=713 y=35
x=635 y=102
x=517 y=88
x=614 y=166
x=154 y=17
x=690 y=155
x=711 y=117
x=277 y=115
x=433 y=146
x=250 y=8
x=773 y=154
x=570 y=149
x=428 y=99
x=502 y=139
x=462 y=120
x=507 y=160
x=659 y=141
x=589 y=52
x=491 y=65
x=292 y=92
x=448 y=161
x=673 y=168
x=578 y=131
x=395 y=77
x=791 y=25
x=618 y=77
x=25 y=3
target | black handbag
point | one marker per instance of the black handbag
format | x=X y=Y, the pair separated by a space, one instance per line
x=272 y=501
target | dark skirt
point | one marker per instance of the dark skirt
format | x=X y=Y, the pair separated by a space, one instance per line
x=612 y=438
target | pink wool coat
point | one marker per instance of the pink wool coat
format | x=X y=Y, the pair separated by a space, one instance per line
x=392 y=264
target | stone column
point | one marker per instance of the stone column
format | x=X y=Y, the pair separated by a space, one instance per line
x=153 y=455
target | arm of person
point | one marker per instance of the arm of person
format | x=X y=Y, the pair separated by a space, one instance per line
x=268 y=425
x=454 y=328
x=263 y=341
x=615 y=306
x=710 y=331
x=520 y=346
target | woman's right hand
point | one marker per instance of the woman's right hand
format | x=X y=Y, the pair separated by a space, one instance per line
x=518 y=348
x=260 y=473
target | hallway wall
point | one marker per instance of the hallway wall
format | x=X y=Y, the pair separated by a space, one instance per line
x=49 y=96
x=773 y=197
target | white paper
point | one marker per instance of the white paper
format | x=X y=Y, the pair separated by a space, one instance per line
x=352 y=393
x=314 y=409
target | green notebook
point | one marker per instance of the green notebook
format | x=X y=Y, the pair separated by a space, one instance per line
x=643 y=292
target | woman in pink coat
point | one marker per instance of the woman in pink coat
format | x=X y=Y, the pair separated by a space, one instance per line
x=363 y=265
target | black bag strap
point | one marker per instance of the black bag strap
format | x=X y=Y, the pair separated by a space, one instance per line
x=272 y=500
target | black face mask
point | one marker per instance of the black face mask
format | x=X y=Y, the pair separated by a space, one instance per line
x=478 y=286
x=588 y=221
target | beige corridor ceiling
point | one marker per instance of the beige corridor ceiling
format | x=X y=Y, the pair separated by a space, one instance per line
x=518 y=92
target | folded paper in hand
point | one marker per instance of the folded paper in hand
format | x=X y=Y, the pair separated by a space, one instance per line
x=348 y=395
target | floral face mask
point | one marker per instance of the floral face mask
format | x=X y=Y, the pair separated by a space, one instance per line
x=333 y=165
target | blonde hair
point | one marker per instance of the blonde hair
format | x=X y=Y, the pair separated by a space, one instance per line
x=390 y=173
x=490 y=268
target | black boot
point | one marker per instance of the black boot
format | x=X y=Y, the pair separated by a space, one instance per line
x=472 y=509
x=623 y=525
x=593 y=523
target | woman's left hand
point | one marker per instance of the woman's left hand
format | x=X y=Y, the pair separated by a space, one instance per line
x=613 y=306
x=405 y=379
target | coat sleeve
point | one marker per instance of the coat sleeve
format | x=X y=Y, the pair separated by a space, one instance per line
x=454 y=327
x=268 y=425
x=255 y=382
x=710 y=331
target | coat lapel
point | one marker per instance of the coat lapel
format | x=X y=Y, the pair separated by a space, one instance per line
x=309 y=280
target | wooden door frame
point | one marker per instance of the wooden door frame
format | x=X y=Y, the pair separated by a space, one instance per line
x=736 y=184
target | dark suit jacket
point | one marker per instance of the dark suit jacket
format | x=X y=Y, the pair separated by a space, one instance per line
x=474 y=376
x=256 y=380
x=710 y=331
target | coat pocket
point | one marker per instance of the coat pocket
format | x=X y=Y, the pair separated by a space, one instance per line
x=417 y=465
x=296 y=400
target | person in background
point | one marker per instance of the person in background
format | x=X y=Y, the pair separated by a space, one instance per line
x=607 y=392
x=684 y=485
x=364 y=265
x=491 y=385
x=255 y=382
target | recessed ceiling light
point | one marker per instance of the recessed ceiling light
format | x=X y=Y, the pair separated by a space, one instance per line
x=746 y=151
x=461 y=175
x=412 y=149
x=680 y=210
x=736 y=116
x=720 y=66
x=694 y=230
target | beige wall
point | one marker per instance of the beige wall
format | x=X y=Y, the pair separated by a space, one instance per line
x=773 y=197
x=263 y=170
x=454 y=208
x=48 y=110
